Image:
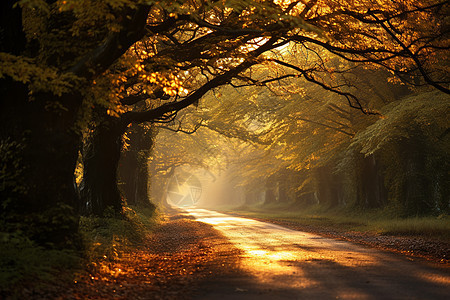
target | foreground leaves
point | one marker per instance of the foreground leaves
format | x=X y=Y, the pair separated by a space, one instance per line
x=169 y=264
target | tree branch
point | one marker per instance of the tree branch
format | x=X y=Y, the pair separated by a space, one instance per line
x=415 y=59
x=354 y=104
x=151 y=115
x=179 y=129
x=101 y=58
x=135 y=98
x=326 y=126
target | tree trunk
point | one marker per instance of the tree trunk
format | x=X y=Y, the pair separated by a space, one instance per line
x=101 y=154
x=251 y=195
x=373 y=193
x=416 y=187
x=42 y=200
x=130 y=176
x=270 y=194
x=327 y=187
x=283 y=191
x=133 y=167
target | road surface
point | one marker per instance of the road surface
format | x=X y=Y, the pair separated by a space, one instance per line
x=286 y=264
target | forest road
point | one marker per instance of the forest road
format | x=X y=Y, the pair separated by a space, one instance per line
x=286 y=264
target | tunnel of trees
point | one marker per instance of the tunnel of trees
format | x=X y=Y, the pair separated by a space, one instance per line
x=341 y=104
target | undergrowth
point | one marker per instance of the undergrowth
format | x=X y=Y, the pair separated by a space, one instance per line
x=26 y=265
x=109 y=236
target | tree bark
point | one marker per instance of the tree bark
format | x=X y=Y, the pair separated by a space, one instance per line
x=270 y=188
x=373 y=193
x=101 y=153
x=416 y=188
x=327 y=187
x=133 y=167
x=43 y=201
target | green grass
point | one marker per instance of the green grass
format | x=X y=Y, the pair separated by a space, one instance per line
x=378 y=222
x=423 y=226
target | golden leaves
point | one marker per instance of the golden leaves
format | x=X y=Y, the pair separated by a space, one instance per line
x=169 y=82
x=173 y=255
x=38 y=78
x=90 y=14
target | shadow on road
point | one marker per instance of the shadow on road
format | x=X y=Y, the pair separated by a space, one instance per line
x=289 y=264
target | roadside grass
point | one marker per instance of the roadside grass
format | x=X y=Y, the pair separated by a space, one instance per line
x=27 y=266
x=109 y=236
x=437 y=227
x=378 y=221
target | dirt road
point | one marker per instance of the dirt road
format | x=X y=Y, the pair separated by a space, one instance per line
x=289 y=264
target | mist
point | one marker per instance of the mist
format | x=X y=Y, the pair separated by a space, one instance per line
x=251 y=147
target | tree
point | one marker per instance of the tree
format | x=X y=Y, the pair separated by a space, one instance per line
x=44 y=69
x=412 y=142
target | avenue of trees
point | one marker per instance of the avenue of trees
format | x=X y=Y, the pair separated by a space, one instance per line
x=311 y=149
x=84 y=84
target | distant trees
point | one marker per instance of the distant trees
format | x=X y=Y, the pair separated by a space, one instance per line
x=411 y=149
x=175 y=149
x=74 y=72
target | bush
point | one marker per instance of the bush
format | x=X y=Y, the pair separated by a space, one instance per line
x=23 y=263
x=109 y=235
